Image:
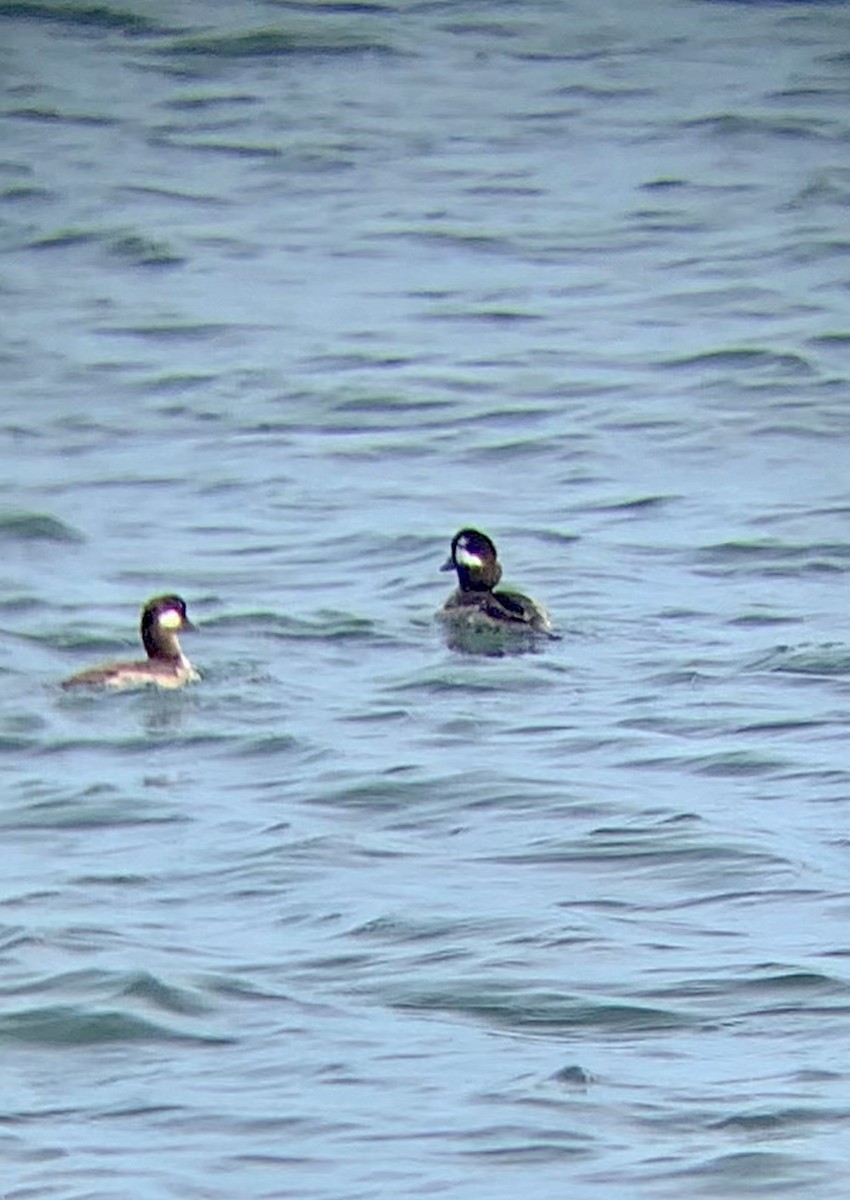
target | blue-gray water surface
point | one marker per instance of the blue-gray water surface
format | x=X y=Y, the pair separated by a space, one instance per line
x=290 y=293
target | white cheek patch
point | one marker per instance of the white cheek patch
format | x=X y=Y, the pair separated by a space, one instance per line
x=464 y=559
x=170 y=619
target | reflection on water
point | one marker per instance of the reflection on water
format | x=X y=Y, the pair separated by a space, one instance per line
x=494 y=643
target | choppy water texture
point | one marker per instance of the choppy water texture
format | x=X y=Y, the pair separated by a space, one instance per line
x=291 y=292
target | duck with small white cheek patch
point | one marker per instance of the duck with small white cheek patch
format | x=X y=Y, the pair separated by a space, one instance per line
x=476 y=603
x=166 y=665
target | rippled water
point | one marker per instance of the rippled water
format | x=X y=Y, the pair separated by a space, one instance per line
x=291 y=292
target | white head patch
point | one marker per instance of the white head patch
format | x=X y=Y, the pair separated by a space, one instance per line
x=465 y=559
x=170 y=619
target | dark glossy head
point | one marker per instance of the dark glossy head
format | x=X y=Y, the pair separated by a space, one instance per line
x=163 y=618
x=473 y=556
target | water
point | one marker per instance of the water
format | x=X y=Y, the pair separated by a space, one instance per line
x=292 y=292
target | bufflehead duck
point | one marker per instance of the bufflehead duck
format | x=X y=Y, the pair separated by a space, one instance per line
x=166 y=665
x=475 y=603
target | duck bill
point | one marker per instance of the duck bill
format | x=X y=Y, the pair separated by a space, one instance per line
x=448 y=565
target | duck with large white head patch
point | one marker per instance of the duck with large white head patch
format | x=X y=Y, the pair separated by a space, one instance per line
x=166 y=665
x=476 y=602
